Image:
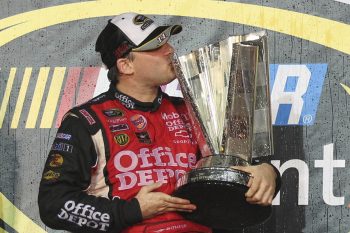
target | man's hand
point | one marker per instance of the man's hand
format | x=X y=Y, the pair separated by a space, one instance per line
x=261 y=185
x=155 y=203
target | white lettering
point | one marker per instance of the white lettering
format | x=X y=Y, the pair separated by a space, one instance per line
x=170 y=172
x=157 y=155
x=178 y=159
x=127 y=180
x=77 y=214
x=96 y=216
x=85 y=208
x=179 y=174
x=131 y=172
x=131 y=155
x=170 y=116
x=328 y=164
x=160 y=175
x=279 y=96
x=72 y=218
x=63 y=214
x=92 y=224
x=103 y=226
x=170 y=156
x=303 y=171
x=77 y=208
x=105 y=217
x=91 y=211
x=144 y=155
x=145 y=177
x=69 y=205
x=82 y=221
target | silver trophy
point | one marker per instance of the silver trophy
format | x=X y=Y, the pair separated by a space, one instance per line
x=226 y=90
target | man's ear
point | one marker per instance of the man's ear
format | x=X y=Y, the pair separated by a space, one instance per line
x=125 y=66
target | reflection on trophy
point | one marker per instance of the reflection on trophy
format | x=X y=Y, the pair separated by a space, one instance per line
x=226 y=90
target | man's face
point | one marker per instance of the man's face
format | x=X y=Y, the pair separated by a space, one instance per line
x=154 y=67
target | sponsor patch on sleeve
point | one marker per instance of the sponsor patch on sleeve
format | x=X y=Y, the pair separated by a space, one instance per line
x=56 y=160
x=63 y=136
x=85 y=215
x=60 y=146
x=51 y=175
x=88 y=117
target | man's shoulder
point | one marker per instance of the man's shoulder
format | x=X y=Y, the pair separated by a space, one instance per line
x=99 y=99
x=84 y=111
x=96 y=100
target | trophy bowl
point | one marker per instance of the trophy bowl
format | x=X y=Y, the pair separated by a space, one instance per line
x=226 y=92
x=219 y=195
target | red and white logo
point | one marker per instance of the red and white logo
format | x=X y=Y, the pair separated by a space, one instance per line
x=139 y=121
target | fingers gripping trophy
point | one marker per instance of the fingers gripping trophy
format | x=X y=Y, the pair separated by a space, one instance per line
x=226 y=90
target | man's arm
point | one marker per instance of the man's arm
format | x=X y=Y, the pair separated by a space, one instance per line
x=63 y=203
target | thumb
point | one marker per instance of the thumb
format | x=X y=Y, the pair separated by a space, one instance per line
x=151 y=187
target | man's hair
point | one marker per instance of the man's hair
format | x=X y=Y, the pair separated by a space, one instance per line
x=114 y=74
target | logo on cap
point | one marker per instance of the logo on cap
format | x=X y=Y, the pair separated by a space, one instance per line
x=161 y=37
x=142 y=20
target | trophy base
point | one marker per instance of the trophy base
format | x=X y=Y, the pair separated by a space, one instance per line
x=219 y=194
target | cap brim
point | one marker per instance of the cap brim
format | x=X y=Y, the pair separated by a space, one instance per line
x=158 y=37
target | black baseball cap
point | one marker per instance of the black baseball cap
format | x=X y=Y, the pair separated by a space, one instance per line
x=131 y=32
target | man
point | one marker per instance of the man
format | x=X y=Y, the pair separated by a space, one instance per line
x=114 y=164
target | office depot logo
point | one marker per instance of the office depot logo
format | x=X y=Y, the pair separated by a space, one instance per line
x=84 y=215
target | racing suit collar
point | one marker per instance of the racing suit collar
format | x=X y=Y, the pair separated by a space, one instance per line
x=132 y=103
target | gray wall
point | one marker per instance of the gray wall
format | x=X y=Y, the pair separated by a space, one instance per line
x=23 y=150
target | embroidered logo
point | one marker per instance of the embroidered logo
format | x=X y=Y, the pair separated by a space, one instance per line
x=139 y=121
x=143 y=137
x=143 y=21
x=63 y=136
x=88 y=117
x=51 y=175
x=125 y=100
x=119 y=127
x=114 y=112
x=122 y=139
x=62 y=147
x=56 y=161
